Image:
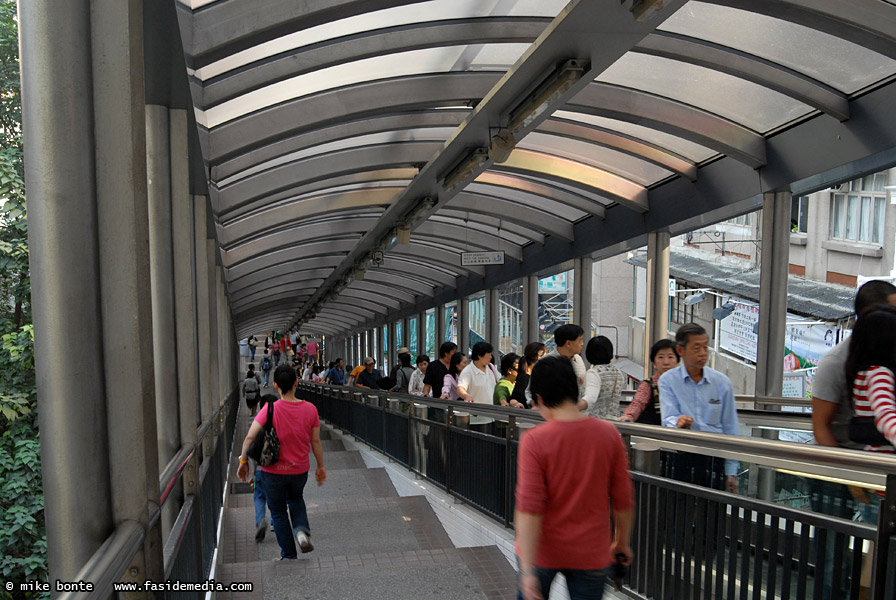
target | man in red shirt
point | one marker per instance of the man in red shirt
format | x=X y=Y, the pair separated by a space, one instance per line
x=569 y=470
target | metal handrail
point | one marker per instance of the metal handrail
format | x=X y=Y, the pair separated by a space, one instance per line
x=851 y=466
x=109 y=561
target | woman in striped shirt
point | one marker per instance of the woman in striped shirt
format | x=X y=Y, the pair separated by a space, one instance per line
x=870 y=365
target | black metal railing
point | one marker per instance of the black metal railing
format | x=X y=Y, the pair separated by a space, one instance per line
x=689 y=541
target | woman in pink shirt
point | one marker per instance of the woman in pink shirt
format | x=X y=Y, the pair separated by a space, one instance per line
x=298 y=428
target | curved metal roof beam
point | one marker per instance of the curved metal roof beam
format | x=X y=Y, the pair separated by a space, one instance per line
x=274 y=286
x=437 y=255
x=586 y=202
x=414 y=286
x=511 y=232
x=365 y=100
x=622 y=190
x=349 y=310
x=289 y=296
x=751 y=68
x=229 y=26
x=335 y=226
x=332 y=164
x=867 y=23
x=301 y=250
x=621 y=143
x=391 y=40
x=271 y=310
x=669 y=116
x=522 y=215
x=383 y=289
x=420 y=119
x=285 y=271
x=371 y=297
x=459 y=234
x=418 y=268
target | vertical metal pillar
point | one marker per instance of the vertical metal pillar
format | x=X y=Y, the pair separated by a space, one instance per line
x=493 y=321
x=162 y=278
x=530 y=310
x=421 y=334
x=775 y=260
x=656 y=319
x=214 y=358
x=184 y=281
x=440 y=336
x=161 y=269
x=59 y=143
x=582 y=271
x=463 y=325
x=200 y=229
x=391 y=346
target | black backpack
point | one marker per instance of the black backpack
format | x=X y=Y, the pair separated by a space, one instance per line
x=651 y=413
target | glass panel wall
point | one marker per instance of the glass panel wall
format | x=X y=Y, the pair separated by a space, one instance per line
x=430 y=333
x=510 y=319
x=555 y=305
x=412 y=336
x=398 y=332
x=476 y=321
x=451 y=323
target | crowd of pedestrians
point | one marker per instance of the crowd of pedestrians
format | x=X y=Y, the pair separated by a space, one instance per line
x=573 y=487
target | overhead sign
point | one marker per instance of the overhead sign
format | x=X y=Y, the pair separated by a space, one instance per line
x=555 y=284
x=468 y=259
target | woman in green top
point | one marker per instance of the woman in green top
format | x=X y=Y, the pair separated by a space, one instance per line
x=504 y=388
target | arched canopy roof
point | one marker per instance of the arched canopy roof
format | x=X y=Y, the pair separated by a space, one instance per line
x=542 y=128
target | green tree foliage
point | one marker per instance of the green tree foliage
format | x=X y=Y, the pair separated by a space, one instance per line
x=23 y=546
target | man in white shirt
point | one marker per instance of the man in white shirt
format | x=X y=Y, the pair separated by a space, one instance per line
x=570 y=339
x=477 y=381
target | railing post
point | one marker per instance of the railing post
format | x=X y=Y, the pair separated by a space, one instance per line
x=449 y=417
x=886 y=527
x=508 y=467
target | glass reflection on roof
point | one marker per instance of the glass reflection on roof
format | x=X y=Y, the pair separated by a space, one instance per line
x=684 y=148
x=423 y=12
x=749 y=104
x=439 y=134
x=624 y=165
x=837 y=62
x=415 y=62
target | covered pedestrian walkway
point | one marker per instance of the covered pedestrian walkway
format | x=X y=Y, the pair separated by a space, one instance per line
x=376 y=172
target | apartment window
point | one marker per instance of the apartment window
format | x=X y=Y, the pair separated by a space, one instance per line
x=858 y=217
x=799 y=214
x=744 y=220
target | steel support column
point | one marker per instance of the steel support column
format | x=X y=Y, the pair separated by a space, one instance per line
x=203 y=324
x=463 y=325
x=583 y=267
x=493 y=322
x=161 y=270
x=214 y=358
x=421 y=334
x=391 y=346
x=440 y=336
x=530 y=310
x=656 y=319
x=774 y=265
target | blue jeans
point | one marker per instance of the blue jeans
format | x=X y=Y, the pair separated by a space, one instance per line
x=581 y=584
x=252 y=352
x=259 y=499
x=266 y=376
x=284 y=494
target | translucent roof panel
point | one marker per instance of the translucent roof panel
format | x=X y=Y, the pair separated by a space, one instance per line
x=682 y=147
x=741 y=101
x=838 y=63
x=402 y=64
x=423 y=12
x=616 y=162
x=386 y=137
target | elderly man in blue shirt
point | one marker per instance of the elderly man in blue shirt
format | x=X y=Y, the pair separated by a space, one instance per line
x=694 y=396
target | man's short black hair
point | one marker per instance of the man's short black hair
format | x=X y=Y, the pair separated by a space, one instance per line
x=422 y=358
x=682 y=336
x=446 y=349
x=285 y=378
x=509 y=361
x=599 y=350
x=553 y=381
x=404 y=359
x=872 y=293
x=337 y=361
x=480 y=349
x=567 y=333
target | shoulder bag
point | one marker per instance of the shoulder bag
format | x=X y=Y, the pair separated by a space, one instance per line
x=265 y=449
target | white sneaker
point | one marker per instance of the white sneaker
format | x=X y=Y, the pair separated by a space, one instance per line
x=304 y=541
